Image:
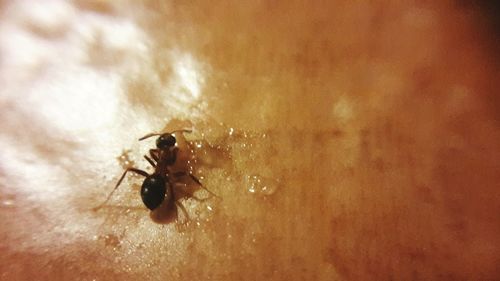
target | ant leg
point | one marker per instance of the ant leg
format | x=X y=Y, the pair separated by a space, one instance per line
x=155 y=154
x=195 y=179
x=182 y=131
x=183 y=209
x=133 y=170
x=150 y=161
x=191 y=196
x=149 y=135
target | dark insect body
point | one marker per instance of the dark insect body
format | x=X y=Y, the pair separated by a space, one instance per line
x=158 y=186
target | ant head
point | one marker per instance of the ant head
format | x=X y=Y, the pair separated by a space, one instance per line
x=165 y=141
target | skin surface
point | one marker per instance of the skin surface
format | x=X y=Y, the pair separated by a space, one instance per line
x=346 y=140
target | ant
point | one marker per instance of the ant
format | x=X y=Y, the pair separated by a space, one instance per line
x=158 y=187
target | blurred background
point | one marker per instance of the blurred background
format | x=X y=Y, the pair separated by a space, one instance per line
x=348 y=140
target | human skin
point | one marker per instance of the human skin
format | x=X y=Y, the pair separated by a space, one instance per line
x=346 y=140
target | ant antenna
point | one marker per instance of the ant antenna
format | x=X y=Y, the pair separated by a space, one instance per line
x=211 y=193
x=159 y=134
x=150 y=135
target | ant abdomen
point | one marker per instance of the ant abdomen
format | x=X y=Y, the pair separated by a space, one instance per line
x=155 y=189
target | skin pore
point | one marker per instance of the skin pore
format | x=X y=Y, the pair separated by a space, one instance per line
x=346 y=140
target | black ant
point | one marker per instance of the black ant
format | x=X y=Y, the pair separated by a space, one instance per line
x=158 y=186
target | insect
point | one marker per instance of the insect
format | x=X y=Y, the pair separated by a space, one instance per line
x=159 y=186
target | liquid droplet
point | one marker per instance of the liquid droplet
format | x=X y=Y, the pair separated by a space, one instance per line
x=260 y=185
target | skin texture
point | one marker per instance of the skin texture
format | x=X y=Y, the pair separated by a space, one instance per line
x=346 y=140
